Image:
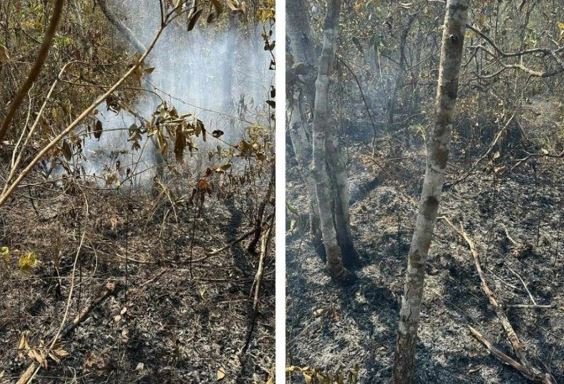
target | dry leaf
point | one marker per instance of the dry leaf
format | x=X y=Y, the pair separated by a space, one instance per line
x=23 y=342
x=220 y=374
x=60 y=352
x=194 y=19
x=98 y=129
x=67 y=151
x=4 y=57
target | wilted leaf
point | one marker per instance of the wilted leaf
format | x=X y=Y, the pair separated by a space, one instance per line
x=5 y=254
x=4 y=56
x=194 y=19
x=179 y=144
x=318 y=312
x=292 y=209
x=211 y=18
x=178 y=6
x=98 y=129
x=23 y=344
x=200 y=128
x=161 y=142
x=28 y=261
x=220 y=374
x=218 y=7
x=233 y=5
x=217 y=133
x=38 y=356
x=67 y=152
x=60 y=352
x=204 y=186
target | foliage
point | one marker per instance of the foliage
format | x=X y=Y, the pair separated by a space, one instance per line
x=28 y=261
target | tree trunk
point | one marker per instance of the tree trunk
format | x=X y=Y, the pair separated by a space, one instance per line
x=337 y=172
x=302 y=149
x=299 y=100
x=437 y=156
x=322 y=126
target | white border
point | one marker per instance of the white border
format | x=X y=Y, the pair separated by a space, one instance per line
x=280 y=142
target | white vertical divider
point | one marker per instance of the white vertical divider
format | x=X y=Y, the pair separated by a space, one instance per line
x=280 y=142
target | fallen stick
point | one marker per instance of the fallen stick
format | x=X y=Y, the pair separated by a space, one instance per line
x=524 y=285
x=260 y=268
x=257 y=283
x=517 y=345
x=238 y=240
x=110 y=288
x=525 y=371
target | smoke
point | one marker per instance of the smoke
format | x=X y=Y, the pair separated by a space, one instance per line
x=219 y=75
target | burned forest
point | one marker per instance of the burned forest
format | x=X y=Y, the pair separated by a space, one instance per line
x=425 y=148
x=137 y=191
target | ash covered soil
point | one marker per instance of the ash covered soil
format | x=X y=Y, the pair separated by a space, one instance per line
x=515 y=220
x=168 y=321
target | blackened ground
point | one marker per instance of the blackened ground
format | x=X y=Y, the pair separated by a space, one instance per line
x=164 y=325
x=331 y=328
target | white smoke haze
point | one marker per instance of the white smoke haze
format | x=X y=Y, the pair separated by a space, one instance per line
x=209 y=73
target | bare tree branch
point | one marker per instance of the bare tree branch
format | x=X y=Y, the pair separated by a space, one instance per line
x=35 y=70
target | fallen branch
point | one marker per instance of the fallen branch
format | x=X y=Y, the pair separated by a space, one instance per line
x=525 y=371
x=238 y=240
x=109 y=289
x=531 y=155
x=524 y=285
x=260 y=268
x=517 y=345
x=256 y=283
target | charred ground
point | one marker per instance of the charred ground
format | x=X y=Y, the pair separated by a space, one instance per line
x=512 y=210
x=167 y=319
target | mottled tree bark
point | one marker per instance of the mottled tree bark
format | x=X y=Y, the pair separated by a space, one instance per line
x=337 y=173
x=308 y=94
x=302 y=146
x=323 y=137
x=437 y=155
x=299 y=99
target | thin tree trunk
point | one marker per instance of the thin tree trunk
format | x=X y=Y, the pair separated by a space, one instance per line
x=325 y=192
x=302 y=150
x=437 y=157
x=302 y=48
x=338 y=175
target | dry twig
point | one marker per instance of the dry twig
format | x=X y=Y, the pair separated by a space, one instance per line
x=517 y=345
